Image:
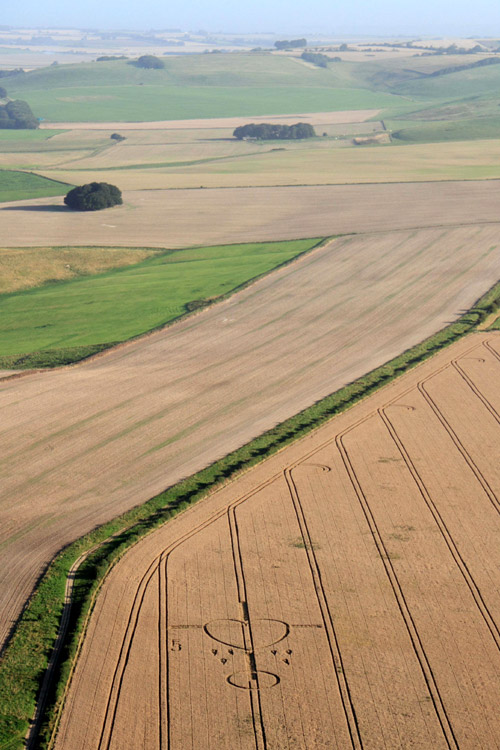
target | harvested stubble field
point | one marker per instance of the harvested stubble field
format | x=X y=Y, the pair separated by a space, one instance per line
x=182 y=218
x=343 y=594
x=317 y=162
x=315 y=118
x=82 y=445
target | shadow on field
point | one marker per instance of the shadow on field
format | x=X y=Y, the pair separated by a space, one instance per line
x=36 y=208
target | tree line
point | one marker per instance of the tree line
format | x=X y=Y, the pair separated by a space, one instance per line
x=268 y=132
x=290 y=43
x=317 y=58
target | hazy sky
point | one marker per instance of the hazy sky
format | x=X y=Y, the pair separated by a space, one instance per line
x=410 y=17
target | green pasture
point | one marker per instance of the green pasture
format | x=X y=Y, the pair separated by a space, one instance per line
x=123 y=303
x=193 y=86
x=472 y=129
x=187 y=70
x=466 y=83
x=15 y=186
x=129 y=103
x=242 y=84
x=8 y=137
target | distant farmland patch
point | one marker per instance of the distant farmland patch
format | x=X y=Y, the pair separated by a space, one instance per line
x=29 y=267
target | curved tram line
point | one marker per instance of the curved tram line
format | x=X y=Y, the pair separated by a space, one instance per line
x=254 y=679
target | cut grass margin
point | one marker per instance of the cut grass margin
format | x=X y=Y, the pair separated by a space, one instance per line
x=26 y=657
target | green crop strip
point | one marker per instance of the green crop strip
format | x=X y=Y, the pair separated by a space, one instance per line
x=15 y=186
x=26 y=657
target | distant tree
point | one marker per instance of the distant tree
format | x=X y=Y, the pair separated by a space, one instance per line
x=93 y=197
x=268 y=132
x=149 y=61
x=117 y=137
x=343 y=48
x=3 y=92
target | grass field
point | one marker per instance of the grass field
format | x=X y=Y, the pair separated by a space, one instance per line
x=16 y=186
x=155 y=102
x=119 y=304
x=478 y=128
x=193 y=87
x=25 y=137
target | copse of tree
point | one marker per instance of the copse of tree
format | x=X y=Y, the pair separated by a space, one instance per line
x=93 y=197
x=290 y=43
x=317 y=58
x=268 y=132
x=149 y=61
x=14 y=72
x=117 y=137
x=17 y=115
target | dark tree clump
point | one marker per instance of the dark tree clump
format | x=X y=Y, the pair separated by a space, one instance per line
x=268 y=132
x=3 y=92
x=108 y=58
x=93 y=197
x=17 y=115
x=290 y=43
x=8 y=73
x=317 y=58
x=117 y=137
x=149 y=61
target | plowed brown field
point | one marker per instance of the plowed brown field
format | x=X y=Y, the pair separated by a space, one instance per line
x=343 y=594
x=179 y=218
x=83 y=444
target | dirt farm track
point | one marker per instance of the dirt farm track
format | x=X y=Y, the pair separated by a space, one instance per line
x=343 y=594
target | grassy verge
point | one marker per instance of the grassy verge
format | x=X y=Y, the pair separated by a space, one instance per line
x=52 y=357
x=66 y=321
x=16 y=186
x=26 y=657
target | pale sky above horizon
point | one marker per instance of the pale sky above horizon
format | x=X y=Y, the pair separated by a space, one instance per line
x=335 y=17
